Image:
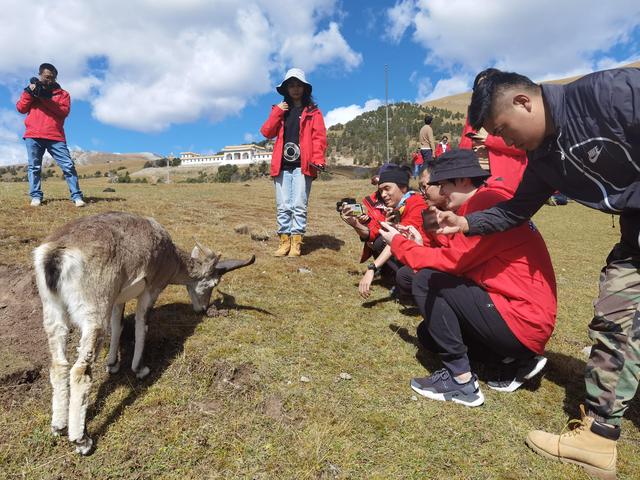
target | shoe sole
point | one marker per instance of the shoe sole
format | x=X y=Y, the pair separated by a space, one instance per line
x=441 y=397
x=590 y=469
x=516 y=384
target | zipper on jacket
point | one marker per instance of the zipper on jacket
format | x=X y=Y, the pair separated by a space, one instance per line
x=563 y=157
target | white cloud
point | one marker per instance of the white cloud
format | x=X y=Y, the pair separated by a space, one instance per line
x=163 y=62
x=12 y=149
x=443 y=88
x=543 y=39
x=399 y=18
x=345 y=114
x=251 y=137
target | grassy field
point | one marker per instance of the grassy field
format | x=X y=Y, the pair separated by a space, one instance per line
x=225 y=397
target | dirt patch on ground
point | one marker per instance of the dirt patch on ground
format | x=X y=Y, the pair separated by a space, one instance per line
x=23 y=345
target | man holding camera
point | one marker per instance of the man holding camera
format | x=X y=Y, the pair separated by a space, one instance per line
x=47 y=106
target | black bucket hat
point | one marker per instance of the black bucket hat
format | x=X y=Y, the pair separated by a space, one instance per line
x=459 y=163
x=393 y=173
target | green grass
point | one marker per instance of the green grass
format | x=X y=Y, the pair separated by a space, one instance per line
x=224 y=399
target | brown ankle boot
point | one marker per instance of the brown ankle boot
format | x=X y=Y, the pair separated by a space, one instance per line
x=581 y=446
x=285 y=245
x=296 y=246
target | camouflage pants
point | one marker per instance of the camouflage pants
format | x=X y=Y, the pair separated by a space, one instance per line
x=613 y=369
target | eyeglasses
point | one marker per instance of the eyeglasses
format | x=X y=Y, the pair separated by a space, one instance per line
x=423 y=190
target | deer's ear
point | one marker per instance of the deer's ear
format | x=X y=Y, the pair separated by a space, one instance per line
x=195 y=253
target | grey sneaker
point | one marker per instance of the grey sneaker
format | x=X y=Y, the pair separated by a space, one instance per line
x=79 y=202
x=514 y=373
x=441 y=386
x=35 y=202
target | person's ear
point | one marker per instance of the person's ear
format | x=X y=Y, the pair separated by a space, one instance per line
x=522 y=100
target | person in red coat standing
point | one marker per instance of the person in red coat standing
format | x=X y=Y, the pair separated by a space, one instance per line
x=47 y=106
x=443 y=146
x=492 y=295
x=298 y=155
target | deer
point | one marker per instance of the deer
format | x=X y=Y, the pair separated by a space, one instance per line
x=85 y=272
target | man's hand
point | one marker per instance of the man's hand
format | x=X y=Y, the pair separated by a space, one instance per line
x=430 y=219
x=450 y=223
x=365 y=284
x=411 y=233
x=387 y=232
x=284 y=106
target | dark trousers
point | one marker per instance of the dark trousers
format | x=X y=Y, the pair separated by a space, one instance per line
x=427 y=155
x=460 y=318
x=392 y=265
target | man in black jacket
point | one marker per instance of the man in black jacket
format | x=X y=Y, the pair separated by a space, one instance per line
x=582 y=139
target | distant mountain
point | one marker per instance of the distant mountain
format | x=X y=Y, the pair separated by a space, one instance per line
x=82 y=157
x=362 y=141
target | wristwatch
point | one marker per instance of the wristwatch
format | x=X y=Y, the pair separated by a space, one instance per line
x=372 y=266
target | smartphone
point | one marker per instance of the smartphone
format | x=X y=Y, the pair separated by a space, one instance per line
x=355 y=209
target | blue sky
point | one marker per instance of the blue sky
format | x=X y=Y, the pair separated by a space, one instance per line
x=167 y=76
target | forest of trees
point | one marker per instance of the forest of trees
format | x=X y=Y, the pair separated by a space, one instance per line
x=364 y=137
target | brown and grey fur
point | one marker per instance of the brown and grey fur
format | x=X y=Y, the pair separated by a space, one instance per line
x=86 y=272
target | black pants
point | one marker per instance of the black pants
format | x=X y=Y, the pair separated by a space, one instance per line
x=392 y=265
x=460 y=318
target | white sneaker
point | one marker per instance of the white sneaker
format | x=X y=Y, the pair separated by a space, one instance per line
x=35 y=202
x=79 y=202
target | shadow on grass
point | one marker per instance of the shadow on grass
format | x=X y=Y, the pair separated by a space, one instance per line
x=319 y=242
x=169 y=327
x=568 y=372
x=427 y=359
x=229 y=302
x=87 y=200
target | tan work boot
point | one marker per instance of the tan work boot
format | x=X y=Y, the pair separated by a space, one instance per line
x=285 y=245
x=581 y=446
x=296 y=246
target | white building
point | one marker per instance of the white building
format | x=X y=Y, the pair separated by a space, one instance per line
x=230 y=155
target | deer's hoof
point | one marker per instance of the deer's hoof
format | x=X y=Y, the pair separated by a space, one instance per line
x=84 y=446
x=58 y=431
x=115 y=368
x=142 y=372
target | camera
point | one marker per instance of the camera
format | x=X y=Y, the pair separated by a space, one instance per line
x=344 y=201
x=40 y=90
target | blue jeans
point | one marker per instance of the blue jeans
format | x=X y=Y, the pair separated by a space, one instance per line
x=292 y=195
x=60 y=153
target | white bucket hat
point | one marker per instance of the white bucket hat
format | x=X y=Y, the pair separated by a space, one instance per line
x=293 y=73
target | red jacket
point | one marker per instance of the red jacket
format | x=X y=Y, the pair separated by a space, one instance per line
x=411 y=215
x=505 y=162
x=514 y=268
x=417 y=158
x=440 y=149
x=45 y=117
x=313 y=139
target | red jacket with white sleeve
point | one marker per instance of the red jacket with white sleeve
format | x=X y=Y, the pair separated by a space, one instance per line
x=313 y=139
x=513 y=267
x=45 y=117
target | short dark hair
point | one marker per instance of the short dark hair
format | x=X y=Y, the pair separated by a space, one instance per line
x=428 y=119
x=475 y=181
x=486 y=87
x=48 y=66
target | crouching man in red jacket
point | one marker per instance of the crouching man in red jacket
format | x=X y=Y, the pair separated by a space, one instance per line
x=492 y=295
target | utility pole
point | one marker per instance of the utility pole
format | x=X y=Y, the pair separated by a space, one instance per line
x=386 y=102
